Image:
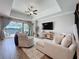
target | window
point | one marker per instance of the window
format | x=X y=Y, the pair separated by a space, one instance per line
x=26 y=28
x=14 y=27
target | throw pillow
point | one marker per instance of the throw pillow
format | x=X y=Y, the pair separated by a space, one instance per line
x=58 y=38
x=50 y=35
x=67 y=40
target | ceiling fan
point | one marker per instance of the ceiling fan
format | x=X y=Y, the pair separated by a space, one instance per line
x=31 y=11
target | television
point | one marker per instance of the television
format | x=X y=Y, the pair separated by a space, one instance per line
x=47 y=26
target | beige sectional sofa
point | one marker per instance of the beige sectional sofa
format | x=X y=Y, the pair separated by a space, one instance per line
x=56 y=51
x=63 y=47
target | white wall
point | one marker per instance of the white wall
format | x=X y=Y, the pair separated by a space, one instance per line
x=62 y=23
x=64 y=20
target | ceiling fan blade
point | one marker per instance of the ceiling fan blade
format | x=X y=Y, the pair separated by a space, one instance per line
x=30 y=14
x=35 y=10
x=29 y=9
x=35 y=13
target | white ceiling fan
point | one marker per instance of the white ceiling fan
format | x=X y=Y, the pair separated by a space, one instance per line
x=30 y=10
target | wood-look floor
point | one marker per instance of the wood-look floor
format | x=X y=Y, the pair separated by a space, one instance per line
x=78 y=53
x=8 y=50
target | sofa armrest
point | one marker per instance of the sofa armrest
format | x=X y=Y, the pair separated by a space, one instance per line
x=73 y=48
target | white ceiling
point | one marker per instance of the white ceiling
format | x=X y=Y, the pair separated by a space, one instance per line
x=19 y=5
x=45 y=7
x=40 y=5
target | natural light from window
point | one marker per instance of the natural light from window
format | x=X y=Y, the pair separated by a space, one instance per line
x=14 y=27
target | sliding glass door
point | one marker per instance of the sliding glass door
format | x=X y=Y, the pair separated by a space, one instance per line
x=26 y=29
x=14 y=27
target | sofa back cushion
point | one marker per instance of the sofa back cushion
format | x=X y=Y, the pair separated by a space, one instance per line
x=67 y=40
x=58 y=38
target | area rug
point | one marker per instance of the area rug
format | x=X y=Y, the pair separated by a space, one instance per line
x=33 y=53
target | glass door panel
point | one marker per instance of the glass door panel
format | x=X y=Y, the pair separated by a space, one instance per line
x=26 y=28
x=12 y=28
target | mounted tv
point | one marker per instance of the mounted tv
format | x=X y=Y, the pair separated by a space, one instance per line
x=47 y=26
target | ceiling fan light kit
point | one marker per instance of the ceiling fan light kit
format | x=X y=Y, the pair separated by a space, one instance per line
x=30 y=10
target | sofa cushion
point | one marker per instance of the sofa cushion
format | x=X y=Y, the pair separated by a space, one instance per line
x=58 y=38
x=40 y=43
x=67 y=40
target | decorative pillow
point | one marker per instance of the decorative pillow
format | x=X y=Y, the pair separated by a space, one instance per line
x=58 y=38
x=67 y=40
x=50 y=35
